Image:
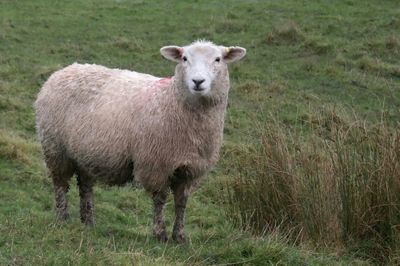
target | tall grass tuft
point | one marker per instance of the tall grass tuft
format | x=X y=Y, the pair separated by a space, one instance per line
x=334 y=182
x=287 y=33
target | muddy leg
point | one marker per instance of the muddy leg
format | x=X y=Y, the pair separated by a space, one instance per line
x=60 y=171
x=86 y=200
x=159 y=231
x=61 y=188
x=181 y=193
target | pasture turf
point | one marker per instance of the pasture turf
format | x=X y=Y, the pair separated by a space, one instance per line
x=303 y=58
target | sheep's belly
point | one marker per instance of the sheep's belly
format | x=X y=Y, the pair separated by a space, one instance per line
x=111 y=176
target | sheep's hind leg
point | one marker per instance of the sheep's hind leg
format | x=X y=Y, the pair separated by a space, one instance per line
x=181 y=193
x=61 y=188
x=61 y=172
x=86 y=200
x=159 y=230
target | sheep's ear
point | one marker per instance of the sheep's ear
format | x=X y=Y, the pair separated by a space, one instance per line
x=173 y=53
x=233 y=53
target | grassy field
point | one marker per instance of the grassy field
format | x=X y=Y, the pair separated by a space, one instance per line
x=303 y=60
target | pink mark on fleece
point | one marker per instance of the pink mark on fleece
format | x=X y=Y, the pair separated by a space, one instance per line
x=162 y=81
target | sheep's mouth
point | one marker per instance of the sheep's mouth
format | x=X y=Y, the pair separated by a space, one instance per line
x=199 y=89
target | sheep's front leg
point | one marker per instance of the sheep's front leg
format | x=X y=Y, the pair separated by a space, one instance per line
x=181 y=193
x=159 y=231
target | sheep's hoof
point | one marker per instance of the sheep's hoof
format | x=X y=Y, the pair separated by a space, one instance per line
x=162 y=237
x=88 y=221
x=62 y=216
x=179 y=238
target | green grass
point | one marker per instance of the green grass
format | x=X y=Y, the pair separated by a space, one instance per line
x=301 y=57
x=30 y=234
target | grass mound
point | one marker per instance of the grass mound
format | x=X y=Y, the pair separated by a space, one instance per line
x=287 y=33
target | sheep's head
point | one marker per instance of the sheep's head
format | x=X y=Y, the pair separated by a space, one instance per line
x=202 y=64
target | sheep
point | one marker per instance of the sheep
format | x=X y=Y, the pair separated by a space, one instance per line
x=113 y=126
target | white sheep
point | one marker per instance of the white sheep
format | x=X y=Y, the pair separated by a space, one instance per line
x=112 y=125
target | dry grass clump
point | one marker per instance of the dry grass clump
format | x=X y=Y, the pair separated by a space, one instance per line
x=230 y=26
x=290 y=33
x=394 y=23
x=130 y=45
x=337 y=187
x=250 y=86
x=287 y=33
x=392 y=43
x=277 y=86
x=309 y=64
x=42 y=73
x=376 y=66
x=317 y=46
x=342 y=61
x=256 y=89
x=15 y=148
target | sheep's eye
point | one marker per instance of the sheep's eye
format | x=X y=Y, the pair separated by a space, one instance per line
x=217 y=59
x=184 y=58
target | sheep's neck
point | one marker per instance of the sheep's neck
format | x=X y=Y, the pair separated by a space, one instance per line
x=200 y=104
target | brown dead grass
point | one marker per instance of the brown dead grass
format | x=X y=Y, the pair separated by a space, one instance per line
x=13 y=147
x=337 y=187
x=287 y=33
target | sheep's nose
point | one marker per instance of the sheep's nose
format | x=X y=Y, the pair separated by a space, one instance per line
x=198 y=82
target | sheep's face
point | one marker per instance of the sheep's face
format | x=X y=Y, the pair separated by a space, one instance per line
x=201 y=63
